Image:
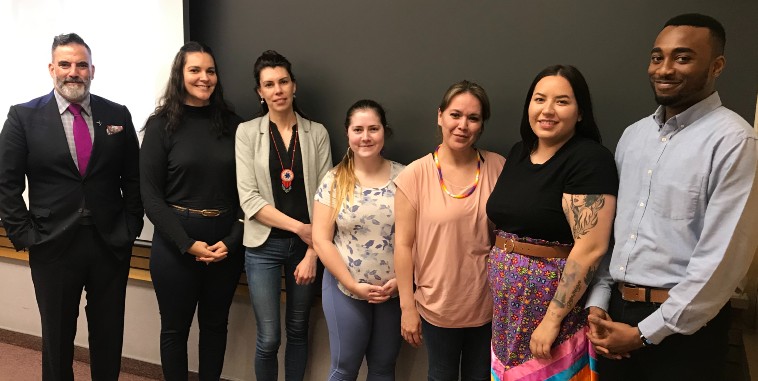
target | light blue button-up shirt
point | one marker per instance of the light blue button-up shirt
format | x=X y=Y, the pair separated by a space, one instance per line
x=687 y=214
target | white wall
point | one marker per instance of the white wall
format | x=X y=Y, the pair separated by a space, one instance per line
x=133 y=44
x=142 y=328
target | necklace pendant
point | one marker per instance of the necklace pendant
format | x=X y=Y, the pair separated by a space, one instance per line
x=287 y=176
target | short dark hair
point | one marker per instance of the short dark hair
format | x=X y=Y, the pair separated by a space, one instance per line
x=272 y=58
x=67 y=39
x=718 y=35
x=586 y=127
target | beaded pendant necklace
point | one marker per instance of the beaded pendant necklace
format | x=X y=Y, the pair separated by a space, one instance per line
x=287 y=175
x=442 y=181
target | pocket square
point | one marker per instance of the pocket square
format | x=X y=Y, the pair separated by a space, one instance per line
x=111 y=129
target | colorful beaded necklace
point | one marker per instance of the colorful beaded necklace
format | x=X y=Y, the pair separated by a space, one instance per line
x=442 y=182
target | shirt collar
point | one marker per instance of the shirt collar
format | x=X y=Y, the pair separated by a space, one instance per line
x=688 y=116
x=63 y=103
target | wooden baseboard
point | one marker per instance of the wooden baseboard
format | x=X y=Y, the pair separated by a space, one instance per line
x=139 y=263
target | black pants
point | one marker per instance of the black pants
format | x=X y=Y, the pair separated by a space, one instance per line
x=457 y=353
x=700 y=356
x=87 y=263
x=182 y=285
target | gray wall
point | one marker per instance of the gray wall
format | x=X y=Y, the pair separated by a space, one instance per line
x=405 y=53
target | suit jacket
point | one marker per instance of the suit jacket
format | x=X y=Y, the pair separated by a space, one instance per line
x=252 y=149
x=33 y=145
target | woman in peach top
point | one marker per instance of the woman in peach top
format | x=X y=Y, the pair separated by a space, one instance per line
x=442 y=238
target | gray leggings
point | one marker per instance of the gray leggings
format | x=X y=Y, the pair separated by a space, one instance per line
x=357 y=328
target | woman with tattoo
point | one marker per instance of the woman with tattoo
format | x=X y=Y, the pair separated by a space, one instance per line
x=553 y=207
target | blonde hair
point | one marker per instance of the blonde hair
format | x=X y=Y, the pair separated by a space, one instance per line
x=343 y=186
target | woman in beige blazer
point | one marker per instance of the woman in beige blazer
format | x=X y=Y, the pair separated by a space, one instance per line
x=281 y=157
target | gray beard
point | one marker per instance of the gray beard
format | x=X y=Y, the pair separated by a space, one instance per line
x=73 y=94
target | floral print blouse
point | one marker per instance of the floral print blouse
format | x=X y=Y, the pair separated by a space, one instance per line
x=365 y=229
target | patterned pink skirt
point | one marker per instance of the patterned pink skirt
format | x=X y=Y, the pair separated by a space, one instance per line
x=522 y=288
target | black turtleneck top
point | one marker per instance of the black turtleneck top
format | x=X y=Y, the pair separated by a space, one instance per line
x=190 y=167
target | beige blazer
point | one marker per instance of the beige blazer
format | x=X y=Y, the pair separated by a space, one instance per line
x=254 y=178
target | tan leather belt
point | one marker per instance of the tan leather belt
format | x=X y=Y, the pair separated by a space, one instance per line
x=201 y=212
x=510 y=245
x=634 y=293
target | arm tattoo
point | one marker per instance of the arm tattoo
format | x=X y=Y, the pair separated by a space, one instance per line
x=572 y=281
x=590 y=274
x=568 y=278
x=582 y=212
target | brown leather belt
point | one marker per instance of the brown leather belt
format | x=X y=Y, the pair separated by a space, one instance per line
x=510 y=245
x=634 y=293
x=201 y=212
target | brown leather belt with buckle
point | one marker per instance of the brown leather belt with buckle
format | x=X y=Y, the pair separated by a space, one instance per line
x=510 y=245
x=634 y=293
x=201 y=212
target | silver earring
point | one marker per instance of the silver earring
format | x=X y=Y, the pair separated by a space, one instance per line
x=262 y=101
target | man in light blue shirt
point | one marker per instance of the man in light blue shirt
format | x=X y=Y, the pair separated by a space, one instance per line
x=684 y=229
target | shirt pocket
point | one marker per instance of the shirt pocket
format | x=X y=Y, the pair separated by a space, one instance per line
x=677 y=196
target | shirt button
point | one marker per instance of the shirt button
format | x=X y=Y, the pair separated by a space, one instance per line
x=632 y=236
x=621 y=268
x=649 y=171
x=642 y=204
x=663 y=139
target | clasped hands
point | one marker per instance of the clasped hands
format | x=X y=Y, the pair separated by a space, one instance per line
x=208 y=253
x=611 y=339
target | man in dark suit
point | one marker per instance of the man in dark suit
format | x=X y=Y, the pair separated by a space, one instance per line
x=79 y=153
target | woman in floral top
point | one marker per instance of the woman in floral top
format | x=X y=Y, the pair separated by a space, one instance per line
x=359 y=289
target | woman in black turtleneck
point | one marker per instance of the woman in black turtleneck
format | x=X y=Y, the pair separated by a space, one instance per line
x=188 y=184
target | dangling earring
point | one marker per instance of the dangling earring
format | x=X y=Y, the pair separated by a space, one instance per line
x=262 y=102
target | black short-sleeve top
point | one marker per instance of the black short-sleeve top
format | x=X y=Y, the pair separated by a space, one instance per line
x=526 y=200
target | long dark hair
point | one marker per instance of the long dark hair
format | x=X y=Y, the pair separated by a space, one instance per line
x=171 y=104
x=585 y=127
x=271 y=58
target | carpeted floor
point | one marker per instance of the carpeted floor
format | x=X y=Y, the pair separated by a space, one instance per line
x=23 y=364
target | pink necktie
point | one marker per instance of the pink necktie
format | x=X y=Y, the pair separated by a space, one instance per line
x=82 y=138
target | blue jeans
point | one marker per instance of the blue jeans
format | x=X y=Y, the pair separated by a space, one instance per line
x=263 y=265
x=358 y=328
x=454 y=350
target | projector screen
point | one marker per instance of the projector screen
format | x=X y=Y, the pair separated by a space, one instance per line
x=132 y=42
